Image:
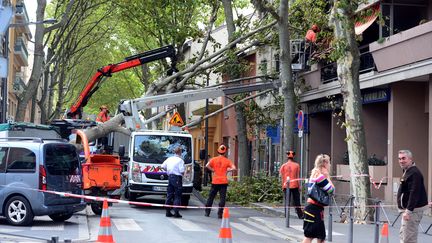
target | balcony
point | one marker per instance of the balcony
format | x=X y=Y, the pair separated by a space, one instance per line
x=21 y=17
x=20 y=52
x=329 y=71
x=18 y=84
x=404 y=48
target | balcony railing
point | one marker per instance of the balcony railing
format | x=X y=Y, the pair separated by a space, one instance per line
x=329 y=71
x=21 y=52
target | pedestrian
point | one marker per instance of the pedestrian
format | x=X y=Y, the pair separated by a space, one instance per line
x=411 y=197
x=313 y=224
x=219 y=165
x=291 y=169
x=103 y=114
x=174 y=166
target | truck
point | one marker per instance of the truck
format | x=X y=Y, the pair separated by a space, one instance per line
x=149 y=148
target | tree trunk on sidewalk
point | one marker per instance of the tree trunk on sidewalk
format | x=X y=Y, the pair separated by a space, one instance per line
x=348 y=64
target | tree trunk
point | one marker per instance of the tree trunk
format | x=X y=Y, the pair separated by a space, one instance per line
x=31 y=88
x=348 y=64
x=244 y=164
x=286 y=76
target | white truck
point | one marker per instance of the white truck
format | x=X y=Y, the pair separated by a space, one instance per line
x=148 y=149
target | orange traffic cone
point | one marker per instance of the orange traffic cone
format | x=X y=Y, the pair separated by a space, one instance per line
x=225 y=235
x=384 y=234
x=105 y=234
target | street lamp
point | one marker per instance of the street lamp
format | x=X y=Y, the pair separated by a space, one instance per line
x=4 y=93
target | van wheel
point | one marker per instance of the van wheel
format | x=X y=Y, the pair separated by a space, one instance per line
x=18 y=211
x=185 y=200
x=96 y=207
x=60 y=217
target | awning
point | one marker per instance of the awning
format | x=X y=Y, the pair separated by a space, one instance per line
x=367 y=18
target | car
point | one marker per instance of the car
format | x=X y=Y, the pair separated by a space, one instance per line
x=30 y=169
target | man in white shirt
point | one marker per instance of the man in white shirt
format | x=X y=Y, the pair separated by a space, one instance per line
x=174 y=166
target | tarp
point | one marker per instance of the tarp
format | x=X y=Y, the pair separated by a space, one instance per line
x=367 y=19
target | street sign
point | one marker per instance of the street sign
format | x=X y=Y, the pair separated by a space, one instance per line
x=300 y=120
x=176 y=120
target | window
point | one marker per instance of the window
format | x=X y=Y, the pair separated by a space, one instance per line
x=3 y=157
x=21 y=160
x=157 y=148
x=62 y=159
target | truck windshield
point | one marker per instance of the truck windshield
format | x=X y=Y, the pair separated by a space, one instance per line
x=157 y=148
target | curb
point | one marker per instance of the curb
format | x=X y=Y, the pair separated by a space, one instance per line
x=289 y=233
x=269 y=210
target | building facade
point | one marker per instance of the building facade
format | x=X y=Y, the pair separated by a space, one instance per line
x=396 y=86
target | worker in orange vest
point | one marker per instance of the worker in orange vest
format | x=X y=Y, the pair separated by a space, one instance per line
x=103 y=114
x=291 y=169
x=219 y=165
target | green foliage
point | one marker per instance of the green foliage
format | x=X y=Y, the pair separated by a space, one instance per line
x=259 y=188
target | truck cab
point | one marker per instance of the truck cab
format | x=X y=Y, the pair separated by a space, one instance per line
x=147 y=151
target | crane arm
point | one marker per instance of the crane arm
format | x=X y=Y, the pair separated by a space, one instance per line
x=93 y=85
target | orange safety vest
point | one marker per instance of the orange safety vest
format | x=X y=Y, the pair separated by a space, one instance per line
x=220 y=165
x=311 y=36
x=291 y=170
x=102 y=117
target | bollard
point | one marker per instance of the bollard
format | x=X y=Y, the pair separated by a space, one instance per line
x=54 y=239
x=287 y=204
x=330 y=221
x=351 y=224
x=377 y=220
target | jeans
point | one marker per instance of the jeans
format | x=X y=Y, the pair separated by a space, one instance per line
x=222 y=189
x=174 y=191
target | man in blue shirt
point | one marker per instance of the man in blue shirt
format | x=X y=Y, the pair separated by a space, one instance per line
x=174 y=166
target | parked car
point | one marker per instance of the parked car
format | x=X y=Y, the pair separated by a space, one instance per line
x=30 y=166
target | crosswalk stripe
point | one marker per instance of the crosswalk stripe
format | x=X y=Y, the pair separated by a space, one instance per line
x=126 y=224
x=300 y=228
x=246 y=229
x=186 y=225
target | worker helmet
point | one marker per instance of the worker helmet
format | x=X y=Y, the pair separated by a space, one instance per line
x=290 y=154
x=103 y=107
x=222 y=149
x=315 y=28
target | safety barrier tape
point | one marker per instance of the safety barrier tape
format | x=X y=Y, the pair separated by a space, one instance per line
x=120 y=201
x=376 y=183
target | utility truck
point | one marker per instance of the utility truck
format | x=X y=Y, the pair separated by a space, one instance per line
x=148 y=149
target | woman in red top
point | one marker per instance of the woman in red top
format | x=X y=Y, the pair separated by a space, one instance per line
x=313 y=225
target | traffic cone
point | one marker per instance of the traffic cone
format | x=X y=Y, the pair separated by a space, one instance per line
x=225 y=234
x=105 y=234
x=384 y=234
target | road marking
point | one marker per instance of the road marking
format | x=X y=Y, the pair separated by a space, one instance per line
x=8 y=230
x=186 y=225
x=300 y=228
x=246 y=229
x=265 y=229
x=49 y=226
x=126 y=224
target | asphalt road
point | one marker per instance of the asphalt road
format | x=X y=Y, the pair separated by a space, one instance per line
x=149 y=224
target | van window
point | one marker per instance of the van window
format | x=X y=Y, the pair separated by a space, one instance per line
x=61 y=159
x=21 y=160
x=3 y=157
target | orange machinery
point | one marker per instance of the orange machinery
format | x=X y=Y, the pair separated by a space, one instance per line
x=101 y=173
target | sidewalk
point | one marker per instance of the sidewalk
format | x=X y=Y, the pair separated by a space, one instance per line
x=363 y=233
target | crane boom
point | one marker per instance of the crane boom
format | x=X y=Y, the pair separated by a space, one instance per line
x=92 y=86
x=131 y=108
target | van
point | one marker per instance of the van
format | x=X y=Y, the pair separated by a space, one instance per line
x=29 y=167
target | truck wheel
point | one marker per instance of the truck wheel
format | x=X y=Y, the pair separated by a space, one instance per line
x=60 y=217
x=96 y=207
x=18 y=211
x=185 y=200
